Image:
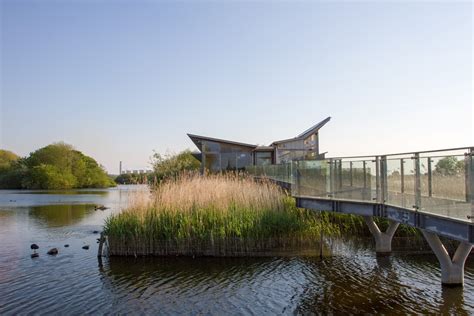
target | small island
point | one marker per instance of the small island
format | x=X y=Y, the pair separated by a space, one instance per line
x=54 y=167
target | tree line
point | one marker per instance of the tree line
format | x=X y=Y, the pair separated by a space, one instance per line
x=56 y=166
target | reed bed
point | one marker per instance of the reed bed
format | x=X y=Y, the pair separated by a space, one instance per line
x=214 y=215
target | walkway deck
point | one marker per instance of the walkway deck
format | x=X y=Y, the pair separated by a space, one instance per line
x=431 y=190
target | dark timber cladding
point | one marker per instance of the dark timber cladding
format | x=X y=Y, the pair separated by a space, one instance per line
x=220 y=154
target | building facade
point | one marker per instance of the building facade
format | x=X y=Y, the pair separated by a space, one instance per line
x=219 y=154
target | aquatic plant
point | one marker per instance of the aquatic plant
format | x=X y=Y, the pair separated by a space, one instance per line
x=224 y=214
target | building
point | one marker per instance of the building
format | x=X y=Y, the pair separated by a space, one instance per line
x=220 y=154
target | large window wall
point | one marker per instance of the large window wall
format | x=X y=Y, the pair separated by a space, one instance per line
x=220 y=156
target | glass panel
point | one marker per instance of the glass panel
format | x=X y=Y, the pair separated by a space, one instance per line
x=400 y=181
x=444 y=186
x=228 y=161
x=212 y=162
x=243 y=160
x=312 y=178
x=263 y=158
x=354 y=180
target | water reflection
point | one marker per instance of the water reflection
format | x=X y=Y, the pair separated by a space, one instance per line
x=352 y=280
x=61 y=215
x=65 y=192
x=452 y=302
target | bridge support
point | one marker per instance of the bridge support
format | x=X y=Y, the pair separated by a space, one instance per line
x=452 y=270
x=383 y=240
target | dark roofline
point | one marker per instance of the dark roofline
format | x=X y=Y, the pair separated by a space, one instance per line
x=194 y=138
x=313 y=129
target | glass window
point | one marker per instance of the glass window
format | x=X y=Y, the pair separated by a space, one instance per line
x=263 y=158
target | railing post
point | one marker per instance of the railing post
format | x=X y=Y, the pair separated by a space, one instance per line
x=378 y=195
x=350 y=170
x=364 y=167
x=402 y=175
x=417 y=182
x=430 y=178
x=469 y=167
x=383 y=179
x=339 y=175
x=332 y=178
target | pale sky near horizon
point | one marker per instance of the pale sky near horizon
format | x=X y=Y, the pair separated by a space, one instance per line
x=119 y=79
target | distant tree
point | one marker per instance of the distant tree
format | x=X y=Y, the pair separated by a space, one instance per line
x=7 y=158
x=170 y=165
x=49 y=177
x=449 y=166
x=56 y=166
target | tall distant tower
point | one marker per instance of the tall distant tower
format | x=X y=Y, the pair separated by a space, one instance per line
x=120 y=168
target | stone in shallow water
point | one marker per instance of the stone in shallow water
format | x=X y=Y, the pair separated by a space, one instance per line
x=66 y=245
x=34 y=246
x=35 y=255
x=53 y=251
x=86 y=247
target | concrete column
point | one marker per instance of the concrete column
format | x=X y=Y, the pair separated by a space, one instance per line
x=383 y=241
x=452 y=270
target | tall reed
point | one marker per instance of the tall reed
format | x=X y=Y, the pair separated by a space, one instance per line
x=213 y=215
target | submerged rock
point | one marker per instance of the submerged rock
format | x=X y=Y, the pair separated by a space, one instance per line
x=95 y=232
x=34 y=246
x=34 y=255
x=66 y=245
x=53 y=251
x=86 y=247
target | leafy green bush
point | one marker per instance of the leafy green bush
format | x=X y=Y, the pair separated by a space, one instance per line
x=171 y=165
x=56 y=166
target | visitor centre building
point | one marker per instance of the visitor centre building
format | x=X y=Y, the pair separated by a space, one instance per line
x=219 y=154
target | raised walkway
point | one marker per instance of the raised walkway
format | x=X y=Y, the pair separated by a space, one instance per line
x=430 y=190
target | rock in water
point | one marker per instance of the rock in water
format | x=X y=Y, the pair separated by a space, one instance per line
x=86 y=247
x=95 y=232
x=100 y=207
x=34 y=255
x=53 y=251
x=34 y=246
x=66 y=245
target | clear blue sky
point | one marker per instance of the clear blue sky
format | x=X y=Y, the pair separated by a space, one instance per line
x=119 y=79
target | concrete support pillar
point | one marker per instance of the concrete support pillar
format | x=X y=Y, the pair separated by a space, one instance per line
x=383 y=241
x=452 y=270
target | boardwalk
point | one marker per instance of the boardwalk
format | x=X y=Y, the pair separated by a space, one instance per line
x=430 y=190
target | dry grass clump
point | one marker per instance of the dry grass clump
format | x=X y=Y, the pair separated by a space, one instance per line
x=212 y=215
x=220 y=192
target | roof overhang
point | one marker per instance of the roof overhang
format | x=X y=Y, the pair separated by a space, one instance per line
x=197 y=140
x=312 y=130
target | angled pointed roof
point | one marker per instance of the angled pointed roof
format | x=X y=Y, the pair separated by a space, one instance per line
x=197 y=140
x=313 y=129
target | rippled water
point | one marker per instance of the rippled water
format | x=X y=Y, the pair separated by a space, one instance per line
x=353 y=280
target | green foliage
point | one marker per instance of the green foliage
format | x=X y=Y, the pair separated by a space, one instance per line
x=133 y=178
x=7 y=158
x=49 y=177
x=449 y=166
x=56 y=166
x=171 y=165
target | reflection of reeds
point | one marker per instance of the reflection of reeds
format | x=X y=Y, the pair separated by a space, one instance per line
x=212 y=215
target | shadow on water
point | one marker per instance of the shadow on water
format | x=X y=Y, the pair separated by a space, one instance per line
x=61 y=215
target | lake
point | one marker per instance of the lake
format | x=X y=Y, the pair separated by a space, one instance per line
x=352 y=280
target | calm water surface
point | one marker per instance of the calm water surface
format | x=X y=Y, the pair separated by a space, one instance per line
x=353 y=280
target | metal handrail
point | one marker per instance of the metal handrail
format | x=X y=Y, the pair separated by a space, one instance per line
x=405 y=153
